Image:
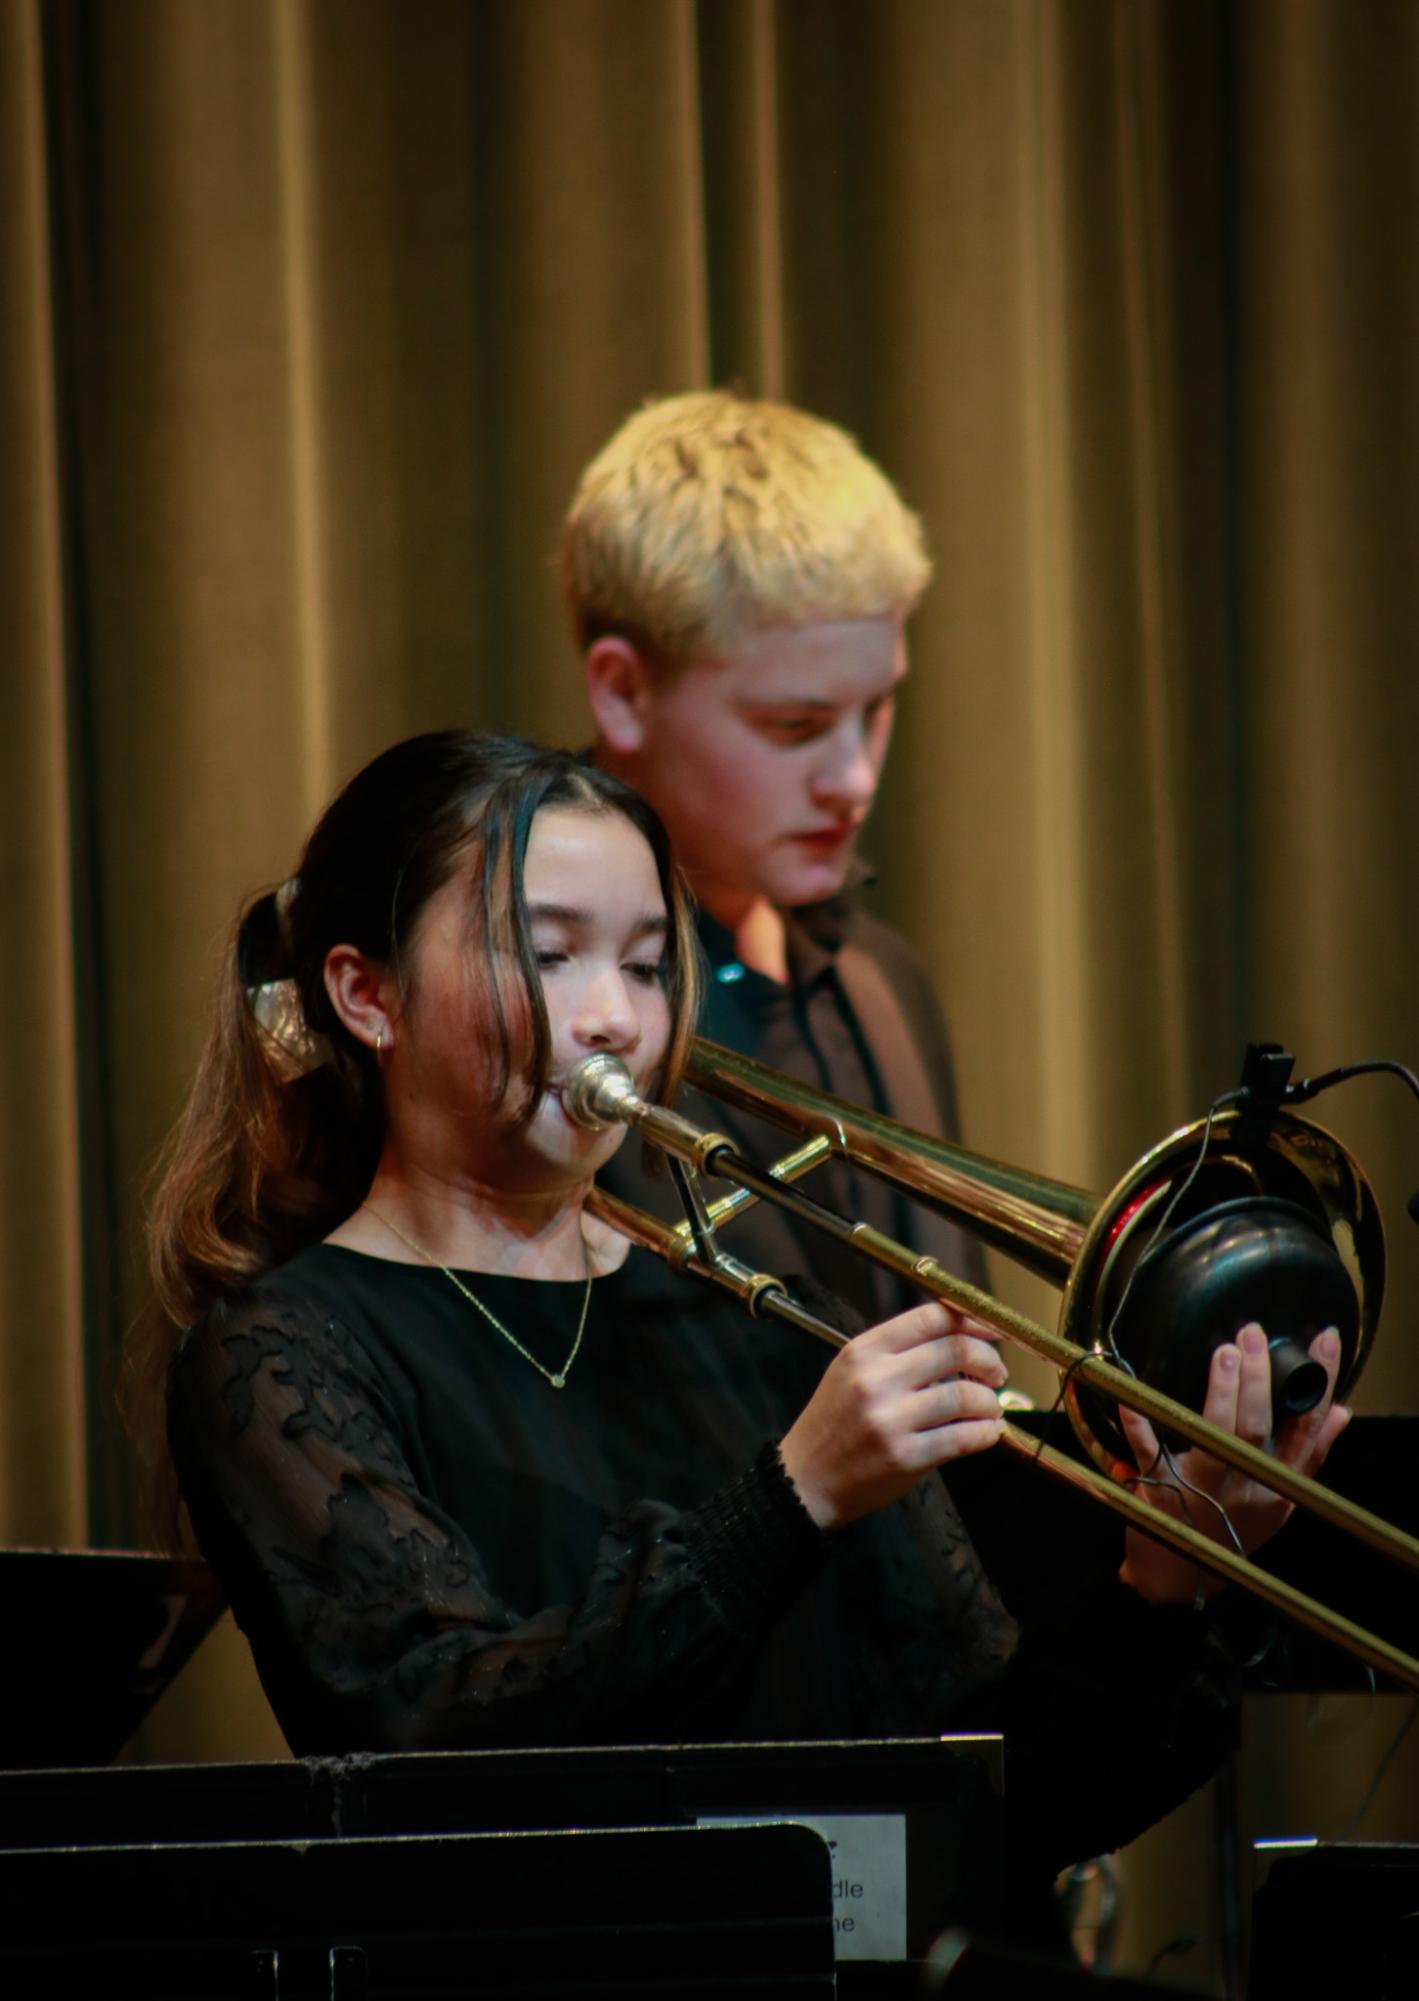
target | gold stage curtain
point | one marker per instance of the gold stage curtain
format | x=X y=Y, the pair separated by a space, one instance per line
x=310 y=310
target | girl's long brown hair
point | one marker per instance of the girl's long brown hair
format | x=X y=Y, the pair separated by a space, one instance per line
x=265 y=1159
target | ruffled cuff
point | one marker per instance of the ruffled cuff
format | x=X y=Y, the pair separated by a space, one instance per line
x=755 y=1545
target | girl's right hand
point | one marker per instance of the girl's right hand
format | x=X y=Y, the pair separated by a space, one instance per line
x=905 y=1396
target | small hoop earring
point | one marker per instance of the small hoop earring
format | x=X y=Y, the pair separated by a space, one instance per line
x=378 y=1043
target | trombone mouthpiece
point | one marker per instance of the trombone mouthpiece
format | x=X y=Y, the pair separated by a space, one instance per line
x=599 y=1093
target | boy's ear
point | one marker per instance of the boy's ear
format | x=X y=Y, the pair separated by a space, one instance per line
x=358 y=991
x=620 y=688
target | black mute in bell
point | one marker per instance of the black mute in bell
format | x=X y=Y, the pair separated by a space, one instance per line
x=1297 y=1379
x=1257 y=1258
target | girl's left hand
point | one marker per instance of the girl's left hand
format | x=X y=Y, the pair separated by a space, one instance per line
x=1238 y=1400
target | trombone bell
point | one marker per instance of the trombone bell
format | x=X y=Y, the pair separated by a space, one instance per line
x=1248 y=1218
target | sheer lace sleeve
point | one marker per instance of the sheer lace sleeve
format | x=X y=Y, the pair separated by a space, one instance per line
x=368 y=1609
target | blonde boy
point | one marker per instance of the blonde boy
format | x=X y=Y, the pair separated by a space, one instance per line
x=738 y=575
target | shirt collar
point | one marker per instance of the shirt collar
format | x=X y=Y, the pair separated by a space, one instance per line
x=814 y=934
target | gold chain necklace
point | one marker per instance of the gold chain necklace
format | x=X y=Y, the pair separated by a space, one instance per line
x=556 y=1377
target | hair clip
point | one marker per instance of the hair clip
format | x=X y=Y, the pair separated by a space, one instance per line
x=293 y=1048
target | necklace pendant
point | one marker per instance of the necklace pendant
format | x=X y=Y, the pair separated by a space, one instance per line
x=559 y=1381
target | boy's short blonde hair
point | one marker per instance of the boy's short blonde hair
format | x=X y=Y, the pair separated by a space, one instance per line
x=709 y=516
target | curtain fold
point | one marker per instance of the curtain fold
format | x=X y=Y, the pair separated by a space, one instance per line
x=43 y=1445
x=1329 y=432
x=310 y=312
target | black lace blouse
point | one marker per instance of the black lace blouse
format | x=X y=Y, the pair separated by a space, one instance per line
x=430 y=1546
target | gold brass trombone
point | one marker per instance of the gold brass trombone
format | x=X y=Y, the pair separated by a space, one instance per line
x=1224 y=1222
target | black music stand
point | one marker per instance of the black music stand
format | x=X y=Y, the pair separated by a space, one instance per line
x=93 y=1637
x=915 y=1818
x=663 y=1914
x=1335 y=1918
